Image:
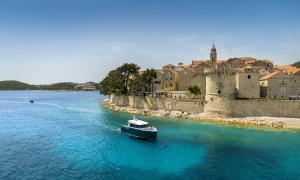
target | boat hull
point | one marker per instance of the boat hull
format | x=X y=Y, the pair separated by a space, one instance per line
x=139 y=133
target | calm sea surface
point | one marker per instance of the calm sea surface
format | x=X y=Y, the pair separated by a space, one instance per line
x=67 y=135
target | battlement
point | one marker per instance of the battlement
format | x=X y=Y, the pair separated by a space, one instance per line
x=211 y=71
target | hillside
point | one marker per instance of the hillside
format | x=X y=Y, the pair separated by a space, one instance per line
x=297 y=64
x=15 y=85
x=58 y=86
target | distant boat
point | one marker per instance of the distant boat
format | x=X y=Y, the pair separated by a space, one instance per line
x=139 y=129
x=31 y=101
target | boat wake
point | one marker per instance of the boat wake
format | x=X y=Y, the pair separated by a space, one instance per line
x=81 y=110
x=118 y=130
x=50 y=104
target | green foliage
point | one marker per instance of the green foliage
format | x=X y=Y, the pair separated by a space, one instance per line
x=120 y=81
x=194 y=89
x=126 y=80
x=148 y=78
x=113 y=83
x=15 y=85
x=58 y=86
x=128 y=71
x=297 y=64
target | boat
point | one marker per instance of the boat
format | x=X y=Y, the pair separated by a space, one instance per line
x=139 y=129
x=31 y=101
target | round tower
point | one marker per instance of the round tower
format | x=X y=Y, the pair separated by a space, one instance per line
x=220 y=89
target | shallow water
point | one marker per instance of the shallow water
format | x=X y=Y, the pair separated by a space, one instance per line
x=67 y=135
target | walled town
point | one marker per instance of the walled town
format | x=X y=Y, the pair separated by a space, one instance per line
x=241 y=90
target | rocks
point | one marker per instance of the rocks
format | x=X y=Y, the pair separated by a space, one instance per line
x=245 y=121
x=185 y=114
x=176 y=114
x=158 y=113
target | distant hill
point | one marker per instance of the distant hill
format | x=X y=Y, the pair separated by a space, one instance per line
x=16 y=85
x=297 y=64
x=58 y=86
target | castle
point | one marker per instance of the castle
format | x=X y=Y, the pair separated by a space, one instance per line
x=236 y=87
x=234 y=77
x=240 y=78
x=223 y=81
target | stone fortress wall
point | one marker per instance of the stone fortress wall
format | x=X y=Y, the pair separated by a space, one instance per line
x=193 y=106
x=222 y=107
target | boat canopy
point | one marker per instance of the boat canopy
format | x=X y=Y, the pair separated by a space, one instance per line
x=137 y=122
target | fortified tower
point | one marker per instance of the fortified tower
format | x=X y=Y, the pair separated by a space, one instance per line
x=220 y=88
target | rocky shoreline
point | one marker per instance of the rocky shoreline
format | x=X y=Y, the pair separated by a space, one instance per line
x=270 y=122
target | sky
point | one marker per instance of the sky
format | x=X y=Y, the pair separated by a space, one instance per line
x=48 y=41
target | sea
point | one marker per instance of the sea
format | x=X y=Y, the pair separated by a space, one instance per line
x=68 y=135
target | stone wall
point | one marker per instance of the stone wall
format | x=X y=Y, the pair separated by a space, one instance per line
x=265 y=107
x=216 y=107
x=193 y=106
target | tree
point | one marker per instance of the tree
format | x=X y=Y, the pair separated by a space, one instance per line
x=119 y=81
x=297 y=64
x=194 y=89
x=112 y=83
x=148 y=78
x=128 y=71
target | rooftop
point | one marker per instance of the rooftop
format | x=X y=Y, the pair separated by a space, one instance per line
x=269 y=75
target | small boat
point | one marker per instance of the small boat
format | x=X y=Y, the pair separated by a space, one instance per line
x=31 y=101
x=139 y=129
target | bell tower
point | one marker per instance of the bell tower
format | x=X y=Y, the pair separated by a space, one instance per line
x=213 y=54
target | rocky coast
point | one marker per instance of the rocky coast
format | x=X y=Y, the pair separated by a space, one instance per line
x=269 y=122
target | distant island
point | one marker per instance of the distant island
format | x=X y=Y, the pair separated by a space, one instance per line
x=17 y=85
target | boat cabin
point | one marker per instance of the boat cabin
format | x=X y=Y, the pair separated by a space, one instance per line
x=137 y=123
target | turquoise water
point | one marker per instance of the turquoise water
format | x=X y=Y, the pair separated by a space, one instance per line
x=67 y=135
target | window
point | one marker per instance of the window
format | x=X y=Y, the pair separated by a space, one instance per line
x=282 y=83
x=171 y=78
x=219 y=91
x=249 y=76
x=171 y=85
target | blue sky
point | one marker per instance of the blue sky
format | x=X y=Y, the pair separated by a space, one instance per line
x=47 y=41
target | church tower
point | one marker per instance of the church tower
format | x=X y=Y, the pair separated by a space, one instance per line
x=213 y=54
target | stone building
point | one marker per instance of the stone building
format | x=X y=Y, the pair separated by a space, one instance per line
x=185 y=76
x=169 y=78
x=282 y=83
x=225 y=83
x=247 y=83
x=86 y=86
x=245 y=80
